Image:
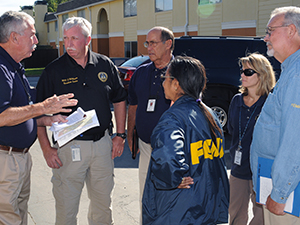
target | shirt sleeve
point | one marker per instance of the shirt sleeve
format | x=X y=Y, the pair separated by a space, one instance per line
x=44 y=87
x=118 y=94
x=168 y=161
x=132 y=98
x=230 y=116
x=6 y=84
x=286 y=167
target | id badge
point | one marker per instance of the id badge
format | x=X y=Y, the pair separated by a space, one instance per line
x=76 y=156
x=151 y=105
x=238 y=157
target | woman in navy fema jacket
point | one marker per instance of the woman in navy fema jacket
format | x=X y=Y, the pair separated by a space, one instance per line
x=187 y=180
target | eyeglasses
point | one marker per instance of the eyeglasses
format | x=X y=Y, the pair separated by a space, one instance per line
x=163 y=77
x=247 y=72
x=269 y=30
x=151 y=43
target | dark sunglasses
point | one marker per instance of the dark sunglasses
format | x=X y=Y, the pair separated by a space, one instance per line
x=247 y=72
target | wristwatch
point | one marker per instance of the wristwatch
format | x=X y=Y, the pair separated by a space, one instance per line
x=122 y=135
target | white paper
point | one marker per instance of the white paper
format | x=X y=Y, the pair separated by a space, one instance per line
x=75 y=117
x=265 y=190
x=62 y=136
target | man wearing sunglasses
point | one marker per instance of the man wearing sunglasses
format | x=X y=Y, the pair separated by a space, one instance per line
x=276 y=133
x=146 y=95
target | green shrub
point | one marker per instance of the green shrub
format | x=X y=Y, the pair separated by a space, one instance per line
x=34 y=72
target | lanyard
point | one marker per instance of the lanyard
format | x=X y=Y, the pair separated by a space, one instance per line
x=241 y=136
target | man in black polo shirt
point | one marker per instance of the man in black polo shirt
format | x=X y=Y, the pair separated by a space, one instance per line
x=18 y=125
x=94 y=80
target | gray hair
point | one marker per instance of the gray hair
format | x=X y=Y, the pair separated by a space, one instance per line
x=11 y=21
x=84 y=24
x=291 y=15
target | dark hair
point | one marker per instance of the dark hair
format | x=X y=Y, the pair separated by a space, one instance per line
x=167 y=34
x=191 y=76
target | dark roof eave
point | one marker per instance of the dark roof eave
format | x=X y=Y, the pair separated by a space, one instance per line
x=77 y=4
x=50 y=17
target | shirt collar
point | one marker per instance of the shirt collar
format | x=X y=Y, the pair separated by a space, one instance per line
x=73 y=63
x=290 y=60
x=14 y=65
x=163 y=69
x=259 y=102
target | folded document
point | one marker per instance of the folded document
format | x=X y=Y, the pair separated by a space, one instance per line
x=78 y=122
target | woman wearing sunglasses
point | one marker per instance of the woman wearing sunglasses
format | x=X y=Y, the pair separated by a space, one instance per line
x=257 y=77
x=187 y=180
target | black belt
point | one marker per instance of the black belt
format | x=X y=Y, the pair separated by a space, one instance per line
x=8 y=148
x=90 y=137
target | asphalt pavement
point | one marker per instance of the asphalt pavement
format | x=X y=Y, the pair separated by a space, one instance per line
x=125 y=200
x=125 y=203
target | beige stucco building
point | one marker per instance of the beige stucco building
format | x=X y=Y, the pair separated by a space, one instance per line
x=120 y=26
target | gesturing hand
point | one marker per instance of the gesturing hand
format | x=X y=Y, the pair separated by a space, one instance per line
x=56 y=104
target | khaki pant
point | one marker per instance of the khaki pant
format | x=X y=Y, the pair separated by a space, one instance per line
x=287 y=219
x=241 y=191
x=14 y=187
x=145 y=155
x=96 y=170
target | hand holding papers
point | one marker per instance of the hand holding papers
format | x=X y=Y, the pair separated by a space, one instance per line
x=78 y=122
x=72 y=119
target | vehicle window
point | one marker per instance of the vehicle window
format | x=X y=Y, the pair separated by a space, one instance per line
x=204 y=2
x=118 y=62
x=135 y=62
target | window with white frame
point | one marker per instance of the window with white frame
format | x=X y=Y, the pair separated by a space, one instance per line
x=163 y=5
x=81 y=13
x=130 y=8
x=56 y=25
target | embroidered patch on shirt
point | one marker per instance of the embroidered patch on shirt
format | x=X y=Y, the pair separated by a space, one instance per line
x=102 y=76
x=70 y=80
x=295 y=105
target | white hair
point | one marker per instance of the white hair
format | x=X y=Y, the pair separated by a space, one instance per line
x=12 y=21
x=84 y=24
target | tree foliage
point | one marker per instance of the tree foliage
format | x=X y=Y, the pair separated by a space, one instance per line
x=52 y=4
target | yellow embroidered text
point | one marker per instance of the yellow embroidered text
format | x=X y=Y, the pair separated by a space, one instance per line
x=296 y=106
x=206 y=148
x=70 y=80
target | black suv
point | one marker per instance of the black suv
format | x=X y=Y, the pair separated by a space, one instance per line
x=220 y=57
